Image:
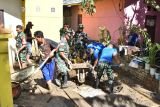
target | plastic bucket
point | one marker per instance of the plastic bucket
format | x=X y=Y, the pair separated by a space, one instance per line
x=157 y=76
x=152 y=71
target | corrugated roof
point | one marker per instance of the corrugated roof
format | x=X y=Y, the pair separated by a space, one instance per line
x=70 y=2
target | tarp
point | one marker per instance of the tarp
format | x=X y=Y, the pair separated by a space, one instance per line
x=89 y=92
x=71 y=2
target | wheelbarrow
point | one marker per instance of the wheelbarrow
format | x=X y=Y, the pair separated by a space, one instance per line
x=18 y=77
x=81 y=69
x=21 y=75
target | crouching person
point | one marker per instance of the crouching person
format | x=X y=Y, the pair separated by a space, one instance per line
x=104 y=65
x=45 y=48
x=63 y=61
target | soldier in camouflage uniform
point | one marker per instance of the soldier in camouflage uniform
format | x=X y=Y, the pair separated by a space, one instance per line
x=80 y=41
x=21 y=45
x=63 y=30
x=62 y=60
x=104 y=66
x=67 y=29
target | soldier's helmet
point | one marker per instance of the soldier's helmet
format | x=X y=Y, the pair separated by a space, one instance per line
x=80 y=26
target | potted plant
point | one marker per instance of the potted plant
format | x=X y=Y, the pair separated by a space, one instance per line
x=153 y=48
x=147 y=64
x=157 y=60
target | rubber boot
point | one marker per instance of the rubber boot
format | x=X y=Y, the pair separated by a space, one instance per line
x=97 y=83
x=109 y=88
x=50 y=86
x=65 y=79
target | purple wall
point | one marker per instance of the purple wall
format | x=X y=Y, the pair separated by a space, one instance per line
x=141 y=12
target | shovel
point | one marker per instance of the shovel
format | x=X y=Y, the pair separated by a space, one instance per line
x=43 y=63
x=20 y=66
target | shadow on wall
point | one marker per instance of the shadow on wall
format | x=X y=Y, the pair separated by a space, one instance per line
x=139 y=10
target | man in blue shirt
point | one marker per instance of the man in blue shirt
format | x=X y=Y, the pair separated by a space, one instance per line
x=133 y=39
x=104 y=65
x=94 y=49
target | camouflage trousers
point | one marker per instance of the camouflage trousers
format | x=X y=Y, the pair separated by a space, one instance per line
x=105 y=68
x=62 y=73
x=22 y=56
x=62 y=67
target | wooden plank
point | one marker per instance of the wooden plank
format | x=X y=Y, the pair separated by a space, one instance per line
x=146 y=93
x=78 y=100
x=80 y=65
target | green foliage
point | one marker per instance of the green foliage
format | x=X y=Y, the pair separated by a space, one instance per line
x=105 y=36
x=151 y=47
x=146 y=59
x=153 y=4
x=152 y=53
x=89 y=6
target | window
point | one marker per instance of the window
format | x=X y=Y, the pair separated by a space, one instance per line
x=2 y=15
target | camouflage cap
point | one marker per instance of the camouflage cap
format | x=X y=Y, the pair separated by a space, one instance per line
x=65 y=33
x=80 y=26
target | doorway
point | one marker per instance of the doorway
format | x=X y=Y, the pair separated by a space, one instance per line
x=150 y=24
x=67 y=15
x=2 y=16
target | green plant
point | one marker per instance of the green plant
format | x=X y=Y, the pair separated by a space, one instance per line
x=146 y=60
x=105 y=36
x=122 y=33
x=152 y=53
x=89 y=6
x=153 y=4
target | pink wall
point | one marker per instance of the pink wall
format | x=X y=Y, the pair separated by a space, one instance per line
x=107 y=14
x=141 y=13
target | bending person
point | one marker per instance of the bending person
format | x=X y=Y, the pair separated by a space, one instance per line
x=104 y=65
x=94 y=49
x=45 y=47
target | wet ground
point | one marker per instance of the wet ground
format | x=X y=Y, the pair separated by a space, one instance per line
x=77 y=95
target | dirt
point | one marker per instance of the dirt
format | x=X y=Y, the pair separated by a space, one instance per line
x=74 y=96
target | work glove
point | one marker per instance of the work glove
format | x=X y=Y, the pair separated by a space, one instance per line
x=121 y=65
x=70 y=64
x=93 y=67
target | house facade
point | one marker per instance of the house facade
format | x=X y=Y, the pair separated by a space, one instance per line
x=108 y=14
x=10 y=13
x=113 y=14
x=46 y=16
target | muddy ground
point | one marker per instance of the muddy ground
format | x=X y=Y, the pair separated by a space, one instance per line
x=80 y=95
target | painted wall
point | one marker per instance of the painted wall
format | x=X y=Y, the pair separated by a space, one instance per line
x=107 y=14
x=141 y=12
x=12 y=13
x=6 y=99
x=46 y=16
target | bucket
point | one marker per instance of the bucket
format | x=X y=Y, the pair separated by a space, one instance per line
x=16 y=90
x=157 y=76
x=147 y=66
x=152 y=71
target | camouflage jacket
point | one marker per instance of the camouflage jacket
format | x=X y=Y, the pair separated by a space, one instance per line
x=20 y=40
x=64 y=47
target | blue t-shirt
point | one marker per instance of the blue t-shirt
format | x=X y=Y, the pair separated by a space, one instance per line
x=107 y=54
x=97 y=48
